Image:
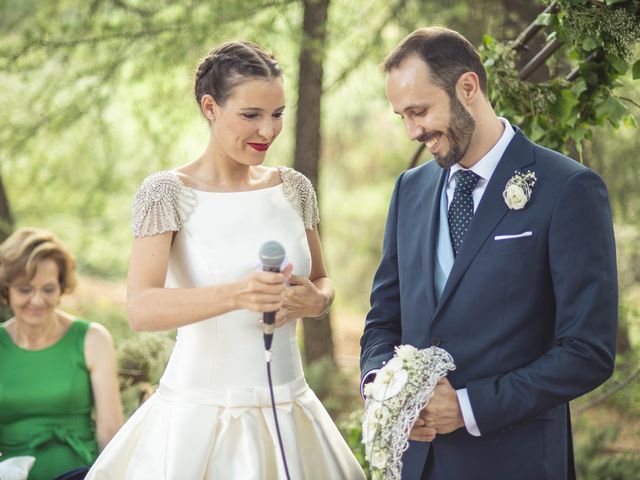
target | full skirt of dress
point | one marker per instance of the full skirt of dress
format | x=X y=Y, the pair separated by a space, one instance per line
x=167 y=439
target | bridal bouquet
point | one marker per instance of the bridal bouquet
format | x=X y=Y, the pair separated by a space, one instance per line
x=401 y=389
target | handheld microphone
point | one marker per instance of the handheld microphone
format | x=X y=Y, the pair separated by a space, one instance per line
x=271 y=256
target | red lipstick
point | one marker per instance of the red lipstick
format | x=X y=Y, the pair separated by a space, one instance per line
x=260 y=147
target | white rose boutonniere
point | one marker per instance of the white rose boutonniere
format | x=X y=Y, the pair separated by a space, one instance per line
x=518 y=190
x=394 y=399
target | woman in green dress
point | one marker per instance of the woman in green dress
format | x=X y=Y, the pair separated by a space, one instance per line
x=54 y=369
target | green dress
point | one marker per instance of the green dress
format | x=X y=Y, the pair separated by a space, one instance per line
x=45 y=404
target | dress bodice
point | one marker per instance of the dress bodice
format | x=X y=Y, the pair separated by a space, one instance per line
x=219 y=244
x=217 y=239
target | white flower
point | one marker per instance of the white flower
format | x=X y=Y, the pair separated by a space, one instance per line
x=378 y=459
x=515 y=197
x=368 y=389
x=369 y=429
x=370 y=422
x=406 y=353
x=518 y=190
x=393 y=365
x=389 y=380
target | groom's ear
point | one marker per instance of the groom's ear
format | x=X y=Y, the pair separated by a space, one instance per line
x=468 y=87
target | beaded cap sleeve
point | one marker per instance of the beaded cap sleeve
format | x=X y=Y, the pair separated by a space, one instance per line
x=300 y=192
x=162 y=204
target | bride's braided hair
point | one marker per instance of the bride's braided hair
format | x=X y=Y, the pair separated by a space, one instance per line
x=231 y=64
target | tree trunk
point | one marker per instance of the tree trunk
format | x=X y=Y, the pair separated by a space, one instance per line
x=6 y=225
x=318 y=341
x=6 y=221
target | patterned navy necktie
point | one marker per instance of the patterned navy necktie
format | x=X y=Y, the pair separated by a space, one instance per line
x=461 y=207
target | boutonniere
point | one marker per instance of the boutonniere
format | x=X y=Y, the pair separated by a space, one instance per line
x=518 y=189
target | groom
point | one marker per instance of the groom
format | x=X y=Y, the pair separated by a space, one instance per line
x=519 y=288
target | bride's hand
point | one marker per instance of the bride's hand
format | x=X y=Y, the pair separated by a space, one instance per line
x=263 y=291
x=302 y=299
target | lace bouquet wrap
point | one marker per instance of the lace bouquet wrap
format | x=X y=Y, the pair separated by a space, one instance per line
x=401 y=389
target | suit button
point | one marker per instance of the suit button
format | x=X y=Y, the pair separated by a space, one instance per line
x=435 y=341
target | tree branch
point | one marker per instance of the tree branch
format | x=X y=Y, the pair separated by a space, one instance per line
x=73 y=109
x=613 y=390
x=145 y=33
x=362 y=54
x=56 y=44
x=631 y=101
x=114 y=36
x=143 y=12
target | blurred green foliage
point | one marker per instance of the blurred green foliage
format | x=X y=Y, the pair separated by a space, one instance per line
x=142 y=359
x=96 y=95
x=145 y=355
x=596 y=461
x=599 y=42
x=99 y=94
x=333 y=387
x=351 y=429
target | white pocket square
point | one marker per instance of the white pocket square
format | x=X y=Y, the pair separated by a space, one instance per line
x=510 y=237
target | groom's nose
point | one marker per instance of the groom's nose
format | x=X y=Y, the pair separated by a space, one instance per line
x=414 y=130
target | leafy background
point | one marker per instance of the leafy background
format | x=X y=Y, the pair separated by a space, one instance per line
x=97 y=94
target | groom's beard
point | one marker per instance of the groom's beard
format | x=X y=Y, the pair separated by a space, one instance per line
x=459 y=133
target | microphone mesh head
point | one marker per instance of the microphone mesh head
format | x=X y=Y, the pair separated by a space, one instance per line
x=271 y=254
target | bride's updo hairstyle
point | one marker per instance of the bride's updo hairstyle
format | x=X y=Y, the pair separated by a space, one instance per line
x=231 y=64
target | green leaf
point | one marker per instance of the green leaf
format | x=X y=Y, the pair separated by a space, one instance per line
x=612 y=110
x=536 y=132
x=636 y=70
x=590 y=43
x=579 y=87
x=613 y=2
x=619 y=64
x=487 y=40
x=564 y=105
x=578 y=136
x=629 y=121
x=564 y=35
x=543 y=19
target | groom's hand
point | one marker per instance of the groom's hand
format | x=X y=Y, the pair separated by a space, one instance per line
x=443 y=411
x=421 y=433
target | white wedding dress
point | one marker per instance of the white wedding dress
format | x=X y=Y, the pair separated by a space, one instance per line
x=211 y=416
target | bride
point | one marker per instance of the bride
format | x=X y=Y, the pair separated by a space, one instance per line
x=198 y=230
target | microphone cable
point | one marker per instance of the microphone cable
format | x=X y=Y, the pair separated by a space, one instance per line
x=275 y=414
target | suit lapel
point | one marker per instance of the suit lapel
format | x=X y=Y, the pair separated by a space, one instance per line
x=430 y=214
x=490 y=211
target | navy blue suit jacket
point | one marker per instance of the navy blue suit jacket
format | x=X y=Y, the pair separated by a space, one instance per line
x=530 y=322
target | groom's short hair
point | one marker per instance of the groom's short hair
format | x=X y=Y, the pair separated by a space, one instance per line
x=447 y=53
